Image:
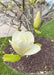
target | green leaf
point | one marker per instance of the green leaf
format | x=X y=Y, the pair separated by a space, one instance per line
x=26 y=2
x=32 y=1
x=39 y=44
x=0 y=51
x=11 y=58
x=37 y=31
x=9 y=7
x=21 y=7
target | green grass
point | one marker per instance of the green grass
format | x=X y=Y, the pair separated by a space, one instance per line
x=47 y=31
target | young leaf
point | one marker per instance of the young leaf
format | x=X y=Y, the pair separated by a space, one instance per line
x=11 y=58
x=21 y=7
x=26 y=2
x=9 y=7
x=39 y=44
x=37 y=31
x=32 y=1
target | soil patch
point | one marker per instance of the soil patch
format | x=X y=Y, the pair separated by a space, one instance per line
x=42 y=61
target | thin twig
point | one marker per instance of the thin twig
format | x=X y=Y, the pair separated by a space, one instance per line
x=17 y=3
x=3 y=5
x=45 y=24
x=6 y=7
x=50 y=10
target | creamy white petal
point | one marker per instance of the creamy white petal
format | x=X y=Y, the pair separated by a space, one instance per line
x=24 y=36
x=23 y=46
x=15 y=36
x=29 y=37
x=16 y=48
x=35 y=49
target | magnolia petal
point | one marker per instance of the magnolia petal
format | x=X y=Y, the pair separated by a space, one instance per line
x=15 y=36
x=21 y=47
x=29 y=37
x=16 y=48
x=35 y=49
x=24 y=46
x=24 y=36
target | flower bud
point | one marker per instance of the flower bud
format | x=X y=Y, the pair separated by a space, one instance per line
x=37 y=20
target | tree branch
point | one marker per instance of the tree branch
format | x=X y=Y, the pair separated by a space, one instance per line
x=3 y=5
x=6 y=7
x=17 y=3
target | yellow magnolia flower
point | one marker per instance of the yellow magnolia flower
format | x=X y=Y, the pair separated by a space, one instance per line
x=23 y=43
x=37 y=20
